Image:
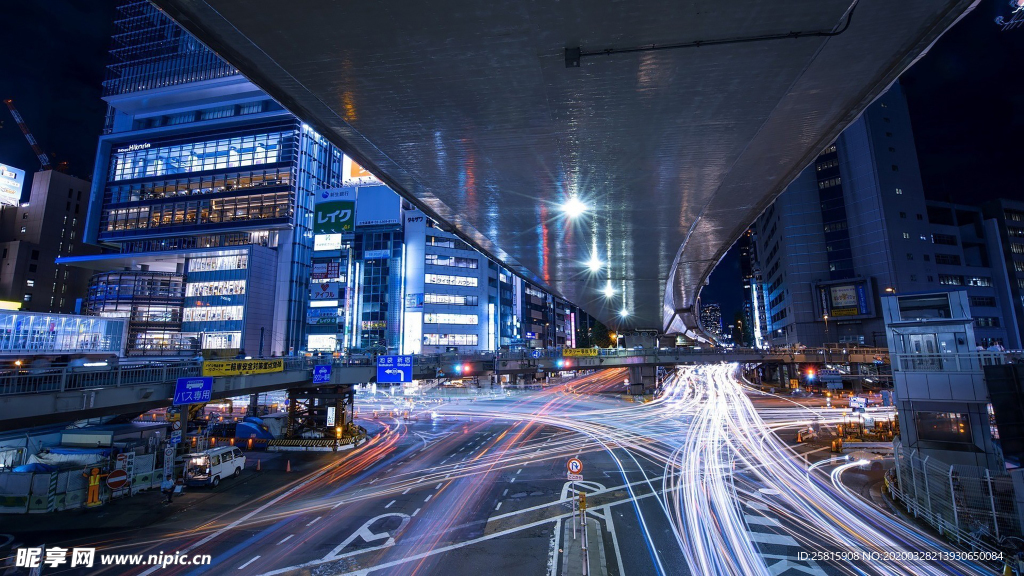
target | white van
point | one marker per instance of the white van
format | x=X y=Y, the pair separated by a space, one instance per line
x=209 y=467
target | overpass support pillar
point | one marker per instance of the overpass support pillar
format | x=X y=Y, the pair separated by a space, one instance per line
x=321 y=412
x=642 y=380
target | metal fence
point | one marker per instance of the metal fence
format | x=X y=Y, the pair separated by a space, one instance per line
x=964 y=362
x=965 y=503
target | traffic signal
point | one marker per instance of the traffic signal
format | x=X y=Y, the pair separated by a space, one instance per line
x=583 y=501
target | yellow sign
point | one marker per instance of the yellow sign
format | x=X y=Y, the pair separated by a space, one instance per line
x=239 y=367
x=9 y=305
x=579 y=352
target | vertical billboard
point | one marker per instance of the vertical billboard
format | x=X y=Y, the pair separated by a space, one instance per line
x=12 y=181
x=333 y=215
x=352 y=174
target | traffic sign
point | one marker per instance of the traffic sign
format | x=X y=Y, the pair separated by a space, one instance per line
x=575 y=477
x=175 y=437
x=322 y=374
x=117 y=479
x=176 y=425
x=394 y=369
x=193 y=390
x=575 y=466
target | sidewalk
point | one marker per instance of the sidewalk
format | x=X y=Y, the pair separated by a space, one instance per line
x=146 y=508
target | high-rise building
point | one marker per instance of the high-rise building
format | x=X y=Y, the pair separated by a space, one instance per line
x=968 y=253
x=49 y=224
x=1008 y=218
x=203 y=191
x=711 y=320
x=851 y=226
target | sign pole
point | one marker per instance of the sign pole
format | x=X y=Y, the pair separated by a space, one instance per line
x=586 y=557
x=573 y=509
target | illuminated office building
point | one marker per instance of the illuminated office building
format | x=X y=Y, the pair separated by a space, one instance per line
x=202 y=178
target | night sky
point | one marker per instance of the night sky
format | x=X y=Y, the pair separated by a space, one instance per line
x=966 y=104
x=966 y=99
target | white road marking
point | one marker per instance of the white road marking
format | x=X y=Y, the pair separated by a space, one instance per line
x=518 y=471
x=286 y=538
x=390 y=504
x=438 y=487
x=771 y=538
x=761 y=521
x=429 y=496
x=498 y=506
x=407 y=490
x=415 y=512
x=336 y=505
x=314 y=521
x=512 y=480
x=249 y=562
x=505 y=492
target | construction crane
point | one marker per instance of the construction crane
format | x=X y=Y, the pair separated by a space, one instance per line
x=44 y=160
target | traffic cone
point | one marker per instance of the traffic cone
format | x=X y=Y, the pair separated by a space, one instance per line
x=258 y=466
x=288 y=466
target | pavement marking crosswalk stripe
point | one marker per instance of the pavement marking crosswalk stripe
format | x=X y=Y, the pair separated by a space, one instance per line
x=314 y=521
x=415 y=512
x=761 y=521
x=512 y=480
x=286 y=538
x=771 y=538
x=390 y=504
x=518 y=471
x=249 y=562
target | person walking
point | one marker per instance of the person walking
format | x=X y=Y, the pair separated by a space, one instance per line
x=167 y=487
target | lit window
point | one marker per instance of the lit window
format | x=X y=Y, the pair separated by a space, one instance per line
x=30 y=283
x=450 y=280
x=437 y=318
x=899 y=191
x=906 y=235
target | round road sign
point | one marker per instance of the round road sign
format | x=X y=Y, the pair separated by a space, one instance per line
x=117 y=479
x=574 y=465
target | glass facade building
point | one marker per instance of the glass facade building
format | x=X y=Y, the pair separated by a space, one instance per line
x=40 y=333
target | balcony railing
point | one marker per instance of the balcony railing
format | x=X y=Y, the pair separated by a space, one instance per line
x=964 y=362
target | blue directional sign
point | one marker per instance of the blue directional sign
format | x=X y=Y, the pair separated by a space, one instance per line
x=193 y=390
x=394 y=369
x=322 y=374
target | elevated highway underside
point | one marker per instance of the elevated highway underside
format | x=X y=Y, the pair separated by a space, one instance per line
x=473 y=111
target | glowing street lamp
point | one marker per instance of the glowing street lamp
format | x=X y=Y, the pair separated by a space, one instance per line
x=574 y=207
x=609 y=291
x=624 y=313
x=594 y=264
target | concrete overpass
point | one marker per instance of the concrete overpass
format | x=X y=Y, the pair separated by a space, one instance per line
x=61 y=395
x=674 y=123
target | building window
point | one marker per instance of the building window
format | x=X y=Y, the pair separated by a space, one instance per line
x=906 y=235
x=30 y=283
x=450 y=299
x=944 y=427
x=891 y=149
x=452 y=261
x=213 y=313
x=903 y=214
x=24 y=229
x=986 y=322
x=450 y=339
x=927 y=258
x=951 y=280
x=913 y=277
x=895 y=168
x=34 y=255
x=944 y=239
x=31 y=267
x=910 y=256
x=931 y=278
x=947 y=259
x=899 y=191
x=27 y=297
x=979 y=281
x=920 y=216
x=888 y=134
x=982 y=301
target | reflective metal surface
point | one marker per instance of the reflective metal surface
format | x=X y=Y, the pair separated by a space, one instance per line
x=469 y=108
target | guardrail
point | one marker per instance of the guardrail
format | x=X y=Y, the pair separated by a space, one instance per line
x=964 y=362
x=62 y=379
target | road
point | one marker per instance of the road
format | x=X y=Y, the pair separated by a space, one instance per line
x=694 y=482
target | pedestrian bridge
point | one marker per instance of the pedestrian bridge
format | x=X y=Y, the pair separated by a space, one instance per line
x=35 y=397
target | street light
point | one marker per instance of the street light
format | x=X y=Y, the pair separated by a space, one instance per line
x=624 y=313
x=594 y=264
x=826 y=329
x=574 y=207
x=608 y=291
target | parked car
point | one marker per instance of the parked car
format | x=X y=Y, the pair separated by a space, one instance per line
x=208 y=468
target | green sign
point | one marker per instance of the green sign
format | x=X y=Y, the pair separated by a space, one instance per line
x=334 y=217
